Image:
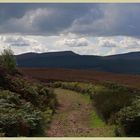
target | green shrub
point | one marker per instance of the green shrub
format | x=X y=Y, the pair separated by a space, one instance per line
x=19 y=122
x=9 y=97
x=22 y=102
x=47 y=115
x=128 y=120
x=8 y=61
x=78 y=87
x=17 y=117
x=21 y=110
x=110 y=101
x=47 y=98
x=30 y=93
x=2 y=77
x=39 y=95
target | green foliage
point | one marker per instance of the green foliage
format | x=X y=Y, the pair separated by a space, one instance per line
x=19 y=117
x=108 y=101
x=23 y=121
x=39 y=95
x=15 y=114
x=96 y=121
x=79 y=87
x=21 y=110
x=128 y=120
x=8 y=61
x=2 y=77
x=8 y=98
x=47 y=115
x=22 y=102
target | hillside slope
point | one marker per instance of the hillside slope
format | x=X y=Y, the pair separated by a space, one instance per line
x=122 y=63
x=24 y=103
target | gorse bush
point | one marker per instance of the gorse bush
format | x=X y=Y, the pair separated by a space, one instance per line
x=2 y=77
x=79 y=87
x=109 y=101
x=35 y=93
x=23 y=104
x=128 y=120
x=16 y=114
x=21 y=114
x=8 y=61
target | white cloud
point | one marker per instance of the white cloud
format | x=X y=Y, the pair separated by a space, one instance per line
x=73 y=42
x=21 y=44
x=86 y=45
x=130 y=43
x=107 y=42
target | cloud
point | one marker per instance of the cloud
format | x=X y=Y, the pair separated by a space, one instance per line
x=82 y=19
x=130 y=43
x=15 y=41
x=116 y=45
x=109 y=20
x=40 y=19
x=76 y=42
x=107 y=42
x=73 y=42
x=94 y=45
x=21 y=44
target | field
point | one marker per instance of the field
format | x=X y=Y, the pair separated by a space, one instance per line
x=56 y=74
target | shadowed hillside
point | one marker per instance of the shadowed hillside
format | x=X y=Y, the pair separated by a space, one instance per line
x=122 y=63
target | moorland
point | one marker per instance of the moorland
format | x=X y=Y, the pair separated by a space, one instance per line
x=67 y=102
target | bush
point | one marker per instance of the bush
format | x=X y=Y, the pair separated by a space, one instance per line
x=2 y=77
x=17 y=117
x=128 y=120
x=109 y=101
x=8 y=61
x=47 y=98
x=78 y=87
x=21 y=110
x=9 y=97
x=19 y=122
x=22 y=102
x=47 y=115
x=39 y=95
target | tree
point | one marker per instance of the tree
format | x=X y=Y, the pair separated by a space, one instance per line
x=8 y=61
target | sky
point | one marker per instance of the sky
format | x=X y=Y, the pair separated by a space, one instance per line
x=86 y=29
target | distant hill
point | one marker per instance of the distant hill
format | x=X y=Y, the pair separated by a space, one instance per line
x=121 y=63
x=131 y=55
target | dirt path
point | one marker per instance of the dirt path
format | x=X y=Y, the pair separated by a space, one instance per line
x=75 y=116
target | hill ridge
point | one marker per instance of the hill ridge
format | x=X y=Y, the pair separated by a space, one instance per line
x=123 y=63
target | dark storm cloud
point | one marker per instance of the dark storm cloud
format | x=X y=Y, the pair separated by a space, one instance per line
x=83 y=19
x=44 y=18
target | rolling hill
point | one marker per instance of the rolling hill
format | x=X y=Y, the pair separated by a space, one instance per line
x=128 y=63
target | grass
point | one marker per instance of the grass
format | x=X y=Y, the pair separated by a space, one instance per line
x=96 y=121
